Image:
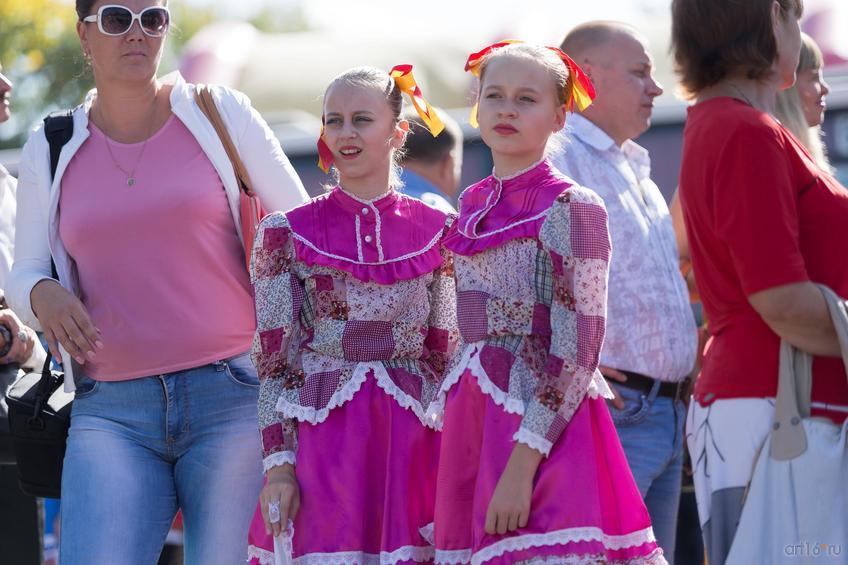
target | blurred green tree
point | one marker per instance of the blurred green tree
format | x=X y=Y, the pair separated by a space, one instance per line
x=40 y=53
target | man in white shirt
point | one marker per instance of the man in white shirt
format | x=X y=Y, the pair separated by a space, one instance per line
x=650 y=344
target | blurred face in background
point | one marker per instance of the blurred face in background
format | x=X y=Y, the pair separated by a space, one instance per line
x=812 y=89
x=622 y=72
x=5 y=91
x=787 y=35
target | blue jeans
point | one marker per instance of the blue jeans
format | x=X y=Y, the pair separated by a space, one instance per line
x=650 y=428
x=138 y=450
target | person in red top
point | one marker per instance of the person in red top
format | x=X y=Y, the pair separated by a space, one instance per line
x=765 y=223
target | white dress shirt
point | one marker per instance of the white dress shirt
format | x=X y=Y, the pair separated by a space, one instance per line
x=650 y=326
x=8 y=186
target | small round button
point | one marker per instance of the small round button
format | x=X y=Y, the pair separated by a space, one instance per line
x=365 y=211
x=368 y=239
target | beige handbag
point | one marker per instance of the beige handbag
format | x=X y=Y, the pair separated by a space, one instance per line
x=251 y=212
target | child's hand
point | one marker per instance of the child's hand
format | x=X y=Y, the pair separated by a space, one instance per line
x=282 y=493
x=509 y=508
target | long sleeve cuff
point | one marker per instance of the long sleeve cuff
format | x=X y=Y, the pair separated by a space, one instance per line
x=277 y=459
x=540 y=427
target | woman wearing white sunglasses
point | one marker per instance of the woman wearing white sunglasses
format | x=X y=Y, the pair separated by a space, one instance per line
x=152 y=305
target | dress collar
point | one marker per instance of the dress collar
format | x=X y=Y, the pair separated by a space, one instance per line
x=354 y=204
x=516 y=196
x=517 y=174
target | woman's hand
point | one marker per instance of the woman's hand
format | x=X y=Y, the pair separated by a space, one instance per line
x=509 y=508
x=64 y=320
x=282 y=489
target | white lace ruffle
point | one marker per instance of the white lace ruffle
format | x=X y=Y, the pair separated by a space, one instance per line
x=264 y=556
x=406 y=553
x=277 y=459
x=453 y=557
x=436 y=410
x=344 y=394
x=561 y=537
x=598 y=387
x=433 y=241
x=427 y=532
x=470 y=360
x=385 y=382
x=655 y=558
x=533 y=441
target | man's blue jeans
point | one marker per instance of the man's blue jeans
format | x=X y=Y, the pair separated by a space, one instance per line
x=650 y=428
x=138 y=450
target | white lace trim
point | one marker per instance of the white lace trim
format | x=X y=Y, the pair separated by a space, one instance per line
x=453 y=557
x=598 y=387
x=561 y=537
x=277 y=459
x=378 y=232
x=409 y=255
x=316 y=416
x=655 y=558
x=427 y=532
x=406 y=553
x=505 y=228
x=436 y=410
x=534 y=441
x=517 y=174
x=470 y=360
x=357 y=228
x=367 y=200
x=264 y=556
x=385 y=382
x=346 y=393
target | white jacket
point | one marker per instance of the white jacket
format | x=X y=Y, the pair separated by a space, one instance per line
x=37 y=225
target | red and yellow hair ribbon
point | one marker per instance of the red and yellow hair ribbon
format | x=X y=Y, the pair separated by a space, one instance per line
x=472 y=65
x=402 y=75
x=325 y=155
x=579 y=91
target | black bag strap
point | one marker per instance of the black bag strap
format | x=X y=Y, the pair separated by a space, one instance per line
x=47 y=384
x=58 y=129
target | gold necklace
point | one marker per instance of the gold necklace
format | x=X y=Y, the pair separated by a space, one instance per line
x=130 y=174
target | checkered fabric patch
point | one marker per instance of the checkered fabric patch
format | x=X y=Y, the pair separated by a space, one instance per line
x=367 y=340
x=589 y=235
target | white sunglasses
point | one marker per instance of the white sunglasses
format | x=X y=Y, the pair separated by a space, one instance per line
x=114 y=20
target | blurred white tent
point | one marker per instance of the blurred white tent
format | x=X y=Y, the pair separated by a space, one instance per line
x=286 y=74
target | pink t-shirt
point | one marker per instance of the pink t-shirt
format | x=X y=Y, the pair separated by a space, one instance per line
x=161 y=268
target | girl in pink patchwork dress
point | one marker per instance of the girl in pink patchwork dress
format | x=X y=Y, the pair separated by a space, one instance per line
x=356 y=320
x=531 y=469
